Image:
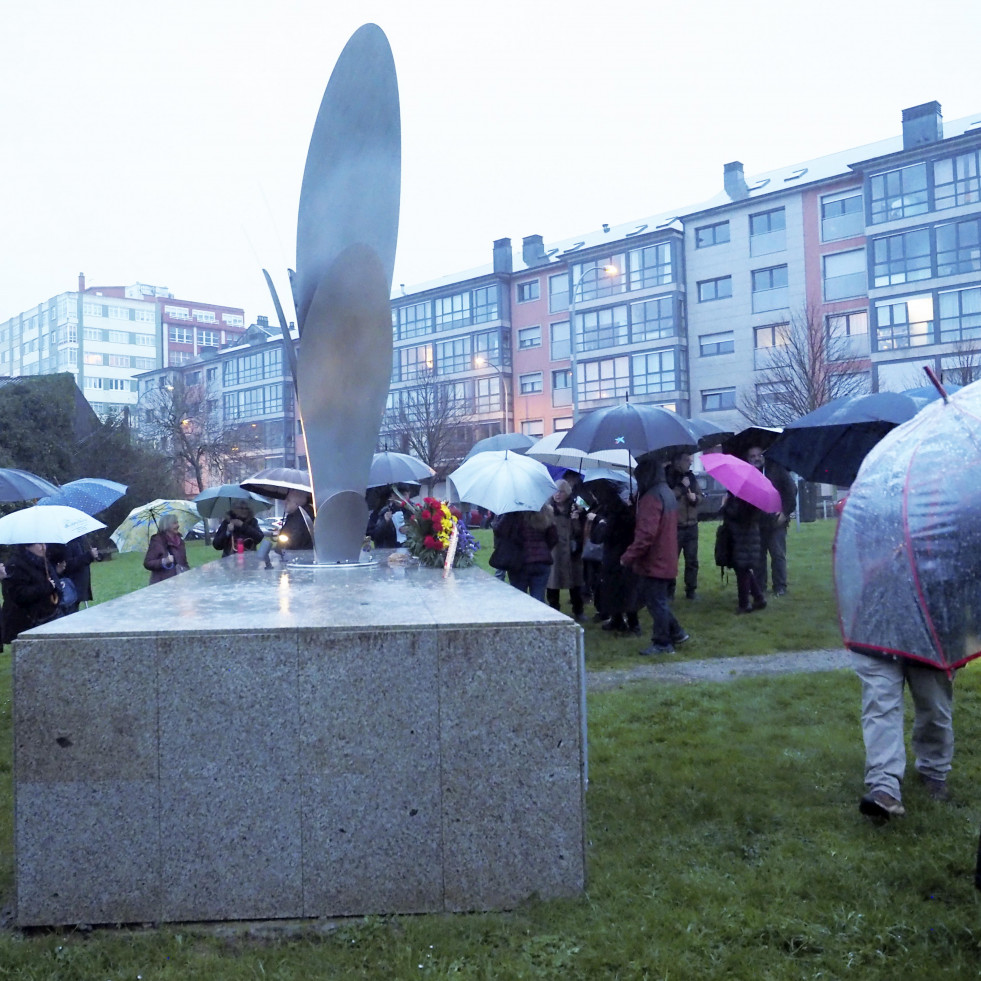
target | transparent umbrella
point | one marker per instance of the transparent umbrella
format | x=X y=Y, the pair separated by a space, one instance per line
x=907 y=556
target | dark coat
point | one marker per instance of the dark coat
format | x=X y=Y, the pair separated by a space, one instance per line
x=743 y=521
x=249 y=534
x=566 y=570
x=296 y=532
x=160 y=546
x=534 y=530
x=30 y=593
x=780 y=477
x=77 y=558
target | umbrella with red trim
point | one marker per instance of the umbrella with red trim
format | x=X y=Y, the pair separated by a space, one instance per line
x=907 y=555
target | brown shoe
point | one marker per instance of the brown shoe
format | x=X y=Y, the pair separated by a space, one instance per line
x=936 y=789
x=879 y=804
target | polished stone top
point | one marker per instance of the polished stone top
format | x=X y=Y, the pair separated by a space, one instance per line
x=238 y=593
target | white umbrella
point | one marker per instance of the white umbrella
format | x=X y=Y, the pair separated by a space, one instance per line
x=503 y=481
x=55 y=523
x=547 y=450
x=397 y=468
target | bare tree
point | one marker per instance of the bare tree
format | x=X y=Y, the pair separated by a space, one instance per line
x=964 y=365
x=186 y=421
x=432 y=422
x=809 y=365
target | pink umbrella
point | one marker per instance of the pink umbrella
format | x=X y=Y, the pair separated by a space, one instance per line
x=743 y=480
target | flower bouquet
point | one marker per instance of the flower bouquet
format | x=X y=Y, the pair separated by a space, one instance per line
x=428 y=529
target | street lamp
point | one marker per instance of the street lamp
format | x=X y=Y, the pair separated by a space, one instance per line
x=610 y=271
x=481 y=362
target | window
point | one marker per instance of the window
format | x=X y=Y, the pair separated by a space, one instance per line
x=773 y=395
x=205 y=317
x=93 y=309
x=959 y=247
x=773 y=335
x=487 y=394
x=559 y=346
x=558 y=292
x=119 y=313
x=899 y=193
x=117 y=336
x=769 y=289
x=232 y=319
x=180 y=357
x=453 y=356
x=720 y=343
x=960 y=315
x=530 y=384
x=118 y=361
x=655 y=372
x=714 y=289
x=605 y=379
x=903 y=258
x=714 y=399
x=844 y=274
x=847 y=324
x=528 y=291
x=94 y=334
x=535 y=428
x=178 y=313
x=592 y=281
x=251 y=367
x=93 y=359
x=768 y=232
x=414 y=320
x=529 y=337
x=488 y=344
x=484 y=304
x=957 y=180
x=562 y=386
x=452 y=311
x=597 y=329
x=144 y=340
x=650 y=266
x=842 y=215
x=414 y=361
x=652 y=320
x=208 y=338
x=180 y=335
x=904 y=323
x=708 y=235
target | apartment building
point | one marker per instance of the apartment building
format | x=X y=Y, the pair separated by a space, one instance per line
x=107 y=335
x=879 y=246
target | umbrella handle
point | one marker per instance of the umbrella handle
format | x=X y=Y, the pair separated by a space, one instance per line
x=931 y=374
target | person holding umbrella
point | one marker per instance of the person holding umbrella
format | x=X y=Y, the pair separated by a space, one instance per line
x=166 y=556
x=30 y=591
x=773 y=527
x=239 y=531
x=653 y=554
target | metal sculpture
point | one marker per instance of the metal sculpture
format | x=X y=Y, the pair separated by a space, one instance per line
x=345 y=256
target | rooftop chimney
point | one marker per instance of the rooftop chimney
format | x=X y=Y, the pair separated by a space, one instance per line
x=922 y=124
x=533 y=250
x=734 y=182
x=502 y=255
x=262 y=320
x=81 y=282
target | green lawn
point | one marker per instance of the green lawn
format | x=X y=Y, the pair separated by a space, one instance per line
x=724 y=841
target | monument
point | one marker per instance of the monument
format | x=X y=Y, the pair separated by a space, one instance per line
x=253 y=742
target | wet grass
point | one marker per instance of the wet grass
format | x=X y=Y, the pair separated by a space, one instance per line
x=724 y=841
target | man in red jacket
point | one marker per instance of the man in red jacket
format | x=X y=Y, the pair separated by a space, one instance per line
x=653 y=554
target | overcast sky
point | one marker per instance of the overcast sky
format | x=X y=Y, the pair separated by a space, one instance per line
x=165 y=143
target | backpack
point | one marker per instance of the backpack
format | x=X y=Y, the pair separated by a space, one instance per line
x=724 y=547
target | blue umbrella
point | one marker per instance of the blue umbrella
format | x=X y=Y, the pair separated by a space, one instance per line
x=22 y=485
x=88 y=494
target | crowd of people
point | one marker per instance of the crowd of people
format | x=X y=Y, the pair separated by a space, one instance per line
x=620 y=544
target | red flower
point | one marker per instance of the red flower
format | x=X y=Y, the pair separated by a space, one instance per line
x=426 y=516
x=432 y=544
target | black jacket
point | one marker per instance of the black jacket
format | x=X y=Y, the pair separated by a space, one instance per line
x=30 y=593
x=249 y=534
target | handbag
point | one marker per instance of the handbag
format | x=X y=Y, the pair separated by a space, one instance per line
x=592 y=552
x=508 y=555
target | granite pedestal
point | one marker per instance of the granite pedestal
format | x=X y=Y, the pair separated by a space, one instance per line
x=251 y=743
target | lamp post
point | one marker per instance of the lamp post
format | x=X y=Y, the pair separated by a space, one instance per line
x=610 y=271
x=481 y=362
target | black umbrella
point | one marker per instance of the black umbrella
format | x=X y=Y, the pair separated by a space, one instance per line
x=829 y=444
x=277 y=482
x=739 y=444
x=638 y=428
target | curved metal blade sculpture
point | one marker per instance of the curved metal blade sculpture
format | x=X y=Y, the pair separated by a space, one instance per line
x=345 y=256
